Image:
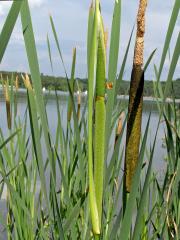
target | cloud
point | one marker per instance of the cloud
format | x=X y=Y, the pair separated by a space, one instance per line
x=36 y=3
x=5 y=5
x=70 y=19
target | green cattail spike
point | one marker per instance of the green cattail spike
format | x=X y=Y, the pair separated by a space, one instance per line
x=92 y=61
x=100 y=117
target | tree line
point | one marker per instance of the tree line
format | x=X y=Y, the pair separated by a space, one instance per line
x=60 y=83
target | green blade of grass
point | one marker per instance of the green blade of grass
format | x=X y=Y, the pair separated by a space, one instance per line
x=139 y=219
x=76 y=125
x=35 y=75
x=169 y=33
x=49 y=52
x=9 y=26
x=69 y=112
x=36 y=140
x=9 y=138
x=113 y=61
x=72 y=218
x=57 y=43
x=120 y=78
x=173 y=65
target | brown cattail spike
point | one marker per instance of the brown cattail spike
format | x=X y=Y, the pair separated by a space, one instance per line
x=79 y=105
x=17 y=83
x=139 y=47
x=119 y=127
x=8 y=106
x=135 y=101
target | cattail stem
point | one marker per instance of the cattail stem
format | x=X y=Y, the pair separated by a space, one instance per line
x=8 y=105
x=135 y=101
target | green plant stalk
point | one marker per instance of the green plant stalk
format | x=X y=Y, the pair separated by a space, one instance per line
x=135 y=101
x=92 y=58
x=69 y=114
x=100 y=118
x=112 y=67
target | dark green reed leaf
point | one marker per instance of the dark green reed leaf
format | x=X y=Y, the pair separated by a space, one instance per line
x=169 y=34
x=9 y=26
x=10 y=138
x=173 y=65
x=49 y=52
x=113 y=61
x=120 y=78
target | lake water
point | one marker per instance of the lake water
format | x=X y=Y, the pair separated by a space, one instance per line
x=159 y=163
x=149 y=106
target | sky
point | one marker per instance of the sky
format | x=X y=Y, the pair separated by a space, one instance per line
x=70 y=18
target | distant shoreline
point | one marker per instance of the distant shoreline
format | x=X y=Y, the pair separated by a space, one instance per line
x=22 y=92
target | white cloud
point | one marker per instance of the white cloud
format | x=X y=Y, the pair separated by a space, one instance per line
x=5 y=5
x=36 y=3
x=70 y=18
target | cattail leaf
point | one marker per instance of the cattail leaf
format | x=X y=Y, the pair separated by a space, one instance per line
x=90 y=30
x=172 y=67
x=76 y=125
x=9 y=138
x=120 y=78
x=112 y=71
x=143 y=198
x=69 y=111
x=169 y=34
x=9 y=26
x=49 y=52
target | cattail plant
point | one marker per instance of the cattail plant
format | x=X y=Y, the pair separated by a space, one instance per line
x=79 y=104
x=100 y=116
x=119 y=127
x=15 y=95
x=27 y=82
x=8 y=105
x=96 y=91
x=135 y=101
x=69 y=112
